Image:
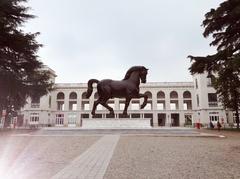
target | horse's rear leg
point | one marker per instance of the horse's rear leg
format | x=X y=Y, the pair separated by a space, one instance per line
x=126 y=106
x=95 y=106
x=104 y=104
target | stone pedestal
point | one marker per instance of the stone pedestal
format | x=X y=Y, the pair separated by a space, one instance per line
x=115 y=123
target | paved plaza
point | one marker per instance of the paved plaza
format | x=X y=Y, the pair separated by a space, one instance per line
x=114 y=154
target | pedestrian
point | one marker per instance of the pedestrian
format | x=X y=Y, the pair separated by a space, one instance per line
x=219 y=125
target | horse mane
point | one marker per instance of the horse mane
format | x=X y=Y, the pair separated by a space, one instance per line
x=132 y=69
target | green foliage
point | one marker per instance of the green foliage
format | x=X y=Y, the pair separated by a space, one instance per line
x=223 y=23
x=21 y=73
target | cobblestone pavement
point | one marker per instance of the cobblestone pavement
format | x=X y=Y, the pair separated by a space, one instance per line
x=56 y=154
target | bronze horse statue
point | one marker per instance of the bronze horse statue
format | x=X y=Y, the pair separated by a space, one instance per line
x=127 y=88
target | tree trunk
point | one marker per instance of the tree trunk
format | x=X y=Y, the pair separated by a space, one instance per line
x=236 y=107
x=237 y=118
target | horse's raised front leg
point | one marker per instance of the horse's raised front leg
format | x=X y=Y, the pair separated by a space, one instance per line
x=126 y=106
x=145 y=99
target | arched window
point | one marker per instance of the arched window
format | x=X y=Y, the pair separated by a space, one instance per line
x=35 y=103
x=73 y=95
x=173 y=94
x=187 y=94
x=60 y=101
x=149 y=94
x=161 y=104
x=73 y=101
x=60 y=95
x=84 y=95
x=160 y=94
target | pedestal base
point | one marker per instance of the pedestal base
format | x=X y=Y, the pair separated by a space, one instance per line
x=115 y=123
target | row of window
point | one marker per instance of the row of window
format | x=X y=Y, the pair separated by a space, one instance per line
x=160 y=94
x=135 y=105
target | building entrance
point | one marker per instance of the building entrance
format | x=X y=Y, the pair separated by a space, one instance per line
x=175 y=119
x=72 y=119
x=161 y=119
x=188 y=119
x=59 y=120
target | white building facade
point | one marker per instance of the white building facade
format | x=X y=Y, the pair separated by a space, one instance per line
x=169 y=104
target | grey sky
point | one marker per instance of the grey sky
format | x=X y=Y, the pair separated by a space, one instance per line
x=100 y=39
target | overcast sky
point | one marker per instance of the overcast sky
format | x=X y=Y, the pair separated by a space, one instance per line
x=101 y=39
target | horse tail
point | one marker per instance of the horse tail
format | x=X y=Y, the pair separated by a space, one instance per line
x=90 y=88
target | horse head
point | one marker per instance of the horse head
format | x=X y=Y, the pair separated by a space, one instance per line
x=142 y=71
x=143 y=74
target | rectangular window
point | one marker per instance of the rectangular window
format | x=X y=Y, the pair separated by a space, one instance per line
x=209 y=82
x=185 y=106
x=72 y=118
x=173 y=106
x=198 y=101
x=148 y=106
x=196 y=83
x=160 y=106
x=60 y=105
x=212 y=100
x=73 y=105
x=135 y=106
x=59 y=119
x=214 y=118
x=111 y=104
x=85 y=116
x=49 y=101
x=121 y=106
x=35 y=102
x=34 y=118
x=234 y=118
x=135 y=115
x=86 y=106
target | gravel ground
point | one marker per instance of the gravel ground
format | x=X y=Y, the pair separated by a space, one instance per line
x=176 y=157
x=39 y=157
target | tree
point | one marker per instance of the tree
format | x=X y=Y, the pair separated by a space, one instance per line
x=223 y=23
x=21 y=72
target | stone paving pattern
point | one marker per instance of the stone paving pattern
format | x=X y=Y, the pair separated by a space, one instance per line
x=92 y=163
x=39 y=157
x=175 y=157
x=135 y=156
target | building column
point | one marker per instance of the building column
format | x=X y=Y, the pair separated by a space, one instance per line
x=66 y=108
x=168 y=119
x=180 y=102
x=181 y=119
x=155 y=119
x=167 y=100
